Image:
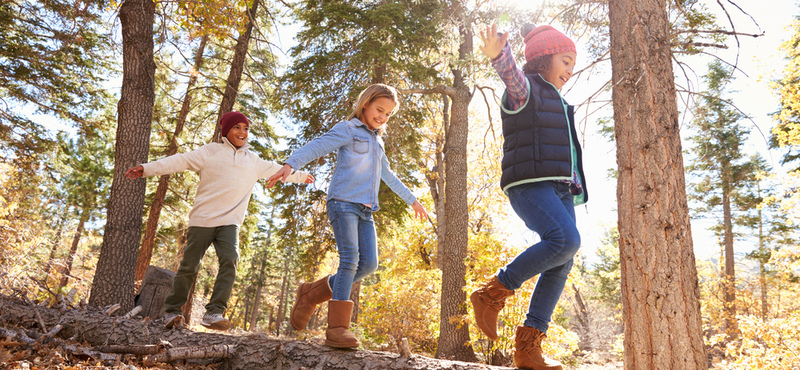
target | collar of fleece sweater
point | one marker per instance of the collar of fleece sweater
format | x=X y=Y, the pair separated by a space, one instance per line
x=227 y=142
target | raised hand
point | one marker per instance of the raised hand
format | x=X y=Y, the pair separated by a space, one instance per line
x=492 y=44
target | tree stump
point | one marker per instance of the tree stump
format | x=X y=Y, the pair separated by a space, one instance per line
x=156 y=285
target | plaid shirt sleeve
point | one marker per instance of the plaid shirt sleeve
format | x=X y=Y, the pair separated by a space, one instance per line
x=512 y=77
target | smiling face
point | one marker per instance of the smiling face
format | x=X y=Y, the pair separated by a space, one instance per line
x=560 y=69
x=377 y=112
x=238 y=134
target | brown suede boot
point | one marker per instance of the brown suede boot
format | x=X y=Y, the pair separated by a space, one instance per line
x=338 y=334
x=528 y=350
x=487 y=302
x=309 y=295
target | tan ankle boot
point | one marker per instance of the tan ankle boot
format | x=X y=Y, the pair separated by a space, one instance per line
x=528 y=350
x=487 y=302
x=338 y=334
x=309 y=295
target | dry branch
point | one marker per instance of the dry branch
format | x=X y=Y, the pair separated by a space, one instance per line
x=441 y=89
x=110 y=311
x=132 y=313
x=183 y=353
x=150 y=349
x=50 y=334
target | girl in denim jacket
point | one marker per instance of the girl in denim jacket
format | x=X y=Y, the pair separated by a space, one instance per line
x=352 y=198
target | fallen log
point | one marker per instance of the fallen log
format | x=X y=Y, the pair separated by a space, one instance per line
x=252 y=351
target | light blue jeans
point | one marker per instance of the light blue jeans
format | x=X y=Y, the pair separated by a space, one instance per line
x=547 y=208
x=357 y=242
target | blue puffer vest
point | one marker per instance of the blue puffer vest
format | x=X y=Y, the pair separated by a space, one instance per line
x=539 y=139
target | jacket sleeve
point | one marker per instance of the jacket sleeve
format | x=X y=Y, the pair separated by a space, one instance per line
x=193 y=160
x=394 y=183
x=516 y=94
x=332 y=140
x=269 y=168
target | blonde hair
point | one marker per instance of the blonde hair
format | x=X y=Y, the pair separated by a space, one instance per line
x=371 y=93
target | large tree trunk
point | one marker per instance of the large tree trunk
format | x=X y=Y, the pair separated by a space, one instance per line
x=252 y=351
x=114 y=276
x=454 y=340
x=146 y=250
x=660 y=295
x=235 y=73
x=74 y=248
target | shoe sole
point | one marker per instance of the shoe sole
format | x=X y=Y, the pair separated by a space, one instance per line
x=341 y=344
x=219 y=325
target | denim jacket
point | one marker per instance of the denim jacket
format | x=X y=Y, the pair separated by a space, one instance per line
x=360 y=164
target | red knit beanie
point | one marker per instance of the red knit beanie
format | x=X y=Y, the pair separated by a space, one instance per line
x=546 y=40
x=230 y=119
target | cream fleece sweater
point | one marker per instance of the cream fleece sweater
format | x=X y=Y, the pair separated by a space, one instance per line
x=227 y=178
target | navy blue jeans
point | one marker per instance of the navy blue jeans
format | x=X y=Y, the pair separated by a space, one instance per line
x=357 y=243
x=547 y=208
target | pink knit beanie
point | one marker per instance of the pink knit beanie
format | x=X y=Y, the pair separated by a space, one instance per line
x=230 y=119
x=546 y=40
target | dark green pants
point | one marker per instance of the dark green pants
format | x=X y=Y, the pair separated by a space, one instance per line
x=226 y=244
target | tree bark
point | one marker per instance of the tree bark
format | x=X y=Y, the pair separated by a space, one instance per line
x=54 y=248
x=762 y=269
x=660 y=295
x=281 y=312
x=253 y=319
x=74 y=247
x=729 y=277
x=148 y=241
x=235 y=73
x=252 y=351
x=454 y=340
x=114 y=276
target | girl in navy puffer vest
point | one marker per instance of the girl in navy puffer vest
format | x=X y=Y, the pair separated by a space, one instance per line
x=543 y=178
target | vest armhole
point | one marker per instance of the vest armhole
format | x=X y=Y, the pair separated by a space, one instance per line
x=504 y=101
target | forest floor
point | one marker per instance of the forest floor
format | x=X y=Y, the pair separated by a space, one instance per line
x=66 y=355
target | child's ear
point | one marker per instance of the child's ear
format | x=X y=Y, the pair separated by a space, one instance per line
x=526 y=29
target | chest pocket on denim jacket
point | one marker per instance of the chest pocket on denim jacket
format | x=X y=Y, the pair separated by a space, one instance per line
x=360 y=144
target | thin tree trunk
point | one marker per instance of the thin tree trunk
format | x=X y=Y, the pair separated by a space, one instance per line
x=729 y=277
x=284 y=286
x=74 y=248
x=54 y=249
x=114 y=276
x=762 y=268
x=355 y=296
x=237 y=68
x=254 y=314
x=146 y=250
x=660 y=294
x=454 y=340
